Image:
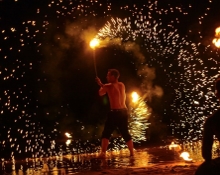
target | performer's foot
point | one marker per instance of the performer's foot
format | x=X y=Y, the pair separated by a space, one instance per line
x=102 y=155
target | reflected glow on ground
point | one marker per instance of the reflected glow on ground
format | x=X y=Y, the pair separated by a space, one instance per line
x=71 y=164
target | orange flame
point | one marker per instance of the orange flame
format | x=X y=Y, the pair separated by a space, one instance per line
x=174 y=147
x=217 y=32
x=216 y=40
x=185 y=156
x=135 y=97
x=94 y=42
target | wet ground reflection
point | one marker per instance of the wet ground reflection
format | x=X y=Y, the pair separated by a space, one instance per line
x=72 y=164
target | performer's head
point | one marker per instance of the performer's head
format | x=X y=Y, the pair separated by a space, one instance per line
x=217 y=88
x=113 y=75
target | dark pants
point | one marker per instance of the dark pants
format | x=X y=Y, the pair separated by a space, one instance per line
x=209 y=168
x=117 y=119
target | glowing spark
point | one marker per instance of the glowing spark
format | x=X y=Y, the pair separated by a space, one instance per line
x=196 y=102
x=185 y=156
x=68 y=135
x=94 y=43
x=116 y=28
x=68 y=142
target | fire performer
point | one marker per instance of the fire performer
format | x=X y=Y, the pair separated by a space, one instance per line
x=118 y=114
x=211 y=128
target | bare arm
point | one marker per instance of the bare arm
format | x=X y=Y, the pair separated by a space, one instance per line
x=123 y=92
x=102 y=90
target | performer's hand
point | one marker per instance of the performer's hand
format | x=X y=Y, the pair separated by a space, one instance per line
x=97 y=79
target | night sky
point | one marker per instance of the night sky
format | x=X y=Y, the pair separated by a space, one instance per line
x=47 y=73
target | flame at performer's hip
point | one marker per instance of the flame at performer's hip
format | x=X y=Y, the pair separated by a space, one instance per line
x=139 y=114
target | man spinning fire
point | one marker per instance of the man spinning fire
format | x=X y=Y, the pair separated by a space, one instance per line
x=118 y=114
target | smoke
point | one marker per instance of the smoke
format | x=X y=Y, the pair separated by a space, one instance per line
x=110 y=42
x=135 y=49
x=147 y=85
x=80 y=34
x=148 y=74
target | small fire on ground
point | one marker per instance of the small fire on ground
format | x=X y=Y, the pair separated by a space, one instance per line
x=185 y=156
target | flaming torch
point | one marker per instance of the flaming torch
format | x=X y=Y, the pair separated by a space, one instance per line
x=93 y=44
x=216 y=40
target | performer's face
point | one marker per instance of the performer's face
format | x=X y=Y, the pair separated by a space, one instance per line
x=110 y=78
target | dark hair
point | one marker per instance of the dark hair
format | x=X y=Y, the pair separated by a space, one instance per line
x=217 y=85
x=114 y=72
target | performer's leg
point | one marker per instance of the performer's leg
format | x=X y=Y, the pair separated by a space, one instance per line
x=108 y=129
x=130 y=147
x=123 y=127
x=105 y=143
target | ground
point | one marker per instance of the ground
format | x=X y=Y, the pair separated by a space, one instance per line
x=159 y=169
